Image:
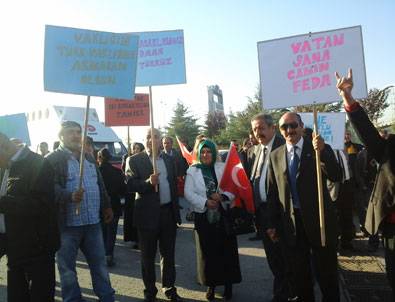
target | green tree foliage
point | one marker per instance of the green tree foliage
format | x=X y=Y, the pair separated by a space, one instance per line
x=375 y=103
x=215 y=122
x=183 y=124
x=332 y=107
x=239 y=125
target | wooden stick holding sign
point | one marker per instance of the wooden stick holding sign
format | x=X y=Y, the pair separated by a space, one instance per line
x=154 y=146
x=319 y=183
x=82 y=156
x=129 y=147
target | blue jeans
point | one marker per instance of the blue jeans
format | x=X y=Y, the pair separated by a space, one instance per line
x=89 y=238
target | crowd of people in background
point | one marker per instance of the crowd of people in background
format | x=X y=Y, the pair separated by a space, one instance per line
x=47 y=210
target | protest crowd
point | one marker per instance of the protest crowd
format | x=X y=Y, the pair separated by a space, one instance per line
x=48 y=212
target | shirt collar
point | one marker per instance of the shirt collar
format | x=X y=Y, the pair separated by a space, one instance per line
x=168 y=153
x=269 y=145
x=299 y=144
x=150 y=155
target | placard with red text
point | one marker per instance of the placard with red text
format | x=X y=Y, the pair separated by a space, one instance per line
x=120 y=112
x=299 y=70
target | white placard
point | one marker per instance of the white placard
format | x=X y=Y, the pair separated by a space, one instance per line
x=299 y=70
x=331 y=126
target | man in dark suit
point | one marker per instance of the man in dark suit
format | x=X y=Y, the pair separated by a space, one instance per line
x=181 y=163
x=381 y=213
x=265 y=132
x=294 y=214
x=156 y=214
x=29 y=233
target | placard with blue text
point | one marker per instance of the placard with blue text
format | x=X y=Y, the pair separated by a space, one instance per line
x=161 y=58
x=15 y=126
x=88 y=62
x=331 y=126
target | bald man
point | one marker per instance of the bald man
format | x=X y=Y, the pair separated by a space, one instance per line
x=293 y=210
x=156 y=214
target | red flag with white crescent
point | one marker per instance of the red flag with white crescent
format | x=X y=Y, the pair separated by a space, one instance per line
x=235 y=181
x=189 y=156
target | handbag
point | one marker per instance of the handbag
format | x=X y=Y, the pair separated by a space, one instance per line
x=237 y=221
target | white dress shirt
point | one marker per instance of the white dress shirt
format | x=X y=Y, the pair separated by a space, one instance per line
x=262 y=181
x=290 y=153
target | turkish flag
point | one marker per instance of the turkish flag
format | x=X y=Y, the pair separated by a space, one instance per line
x=190 y=157
x=235 y=181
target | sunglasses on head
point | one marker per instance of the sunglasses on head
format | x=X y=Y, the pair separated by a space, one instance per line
x=292 y=125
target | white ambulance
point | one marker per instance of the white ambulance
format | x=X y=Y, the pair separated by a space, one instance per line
x=44 y=124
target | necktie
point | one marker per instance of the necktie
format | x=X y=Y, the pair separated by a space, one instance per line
x=258 y=173
x=293 y=171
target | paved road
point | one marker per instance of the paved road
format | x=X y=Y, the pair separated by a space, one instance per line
x=125 y=276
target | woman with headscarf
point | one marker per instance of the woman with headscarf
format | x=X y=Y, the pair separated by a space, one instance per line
x=216 y=250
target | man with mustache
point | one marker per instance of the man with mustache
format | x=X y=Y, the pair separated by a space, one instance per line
x=294 y=211
x=264 y=130
x=80 y=230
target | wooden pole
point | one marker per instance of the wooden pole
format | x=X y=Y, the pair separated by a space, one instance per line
x=82 y=156
x=154 y=147
x=129 y=148
x=319 y=183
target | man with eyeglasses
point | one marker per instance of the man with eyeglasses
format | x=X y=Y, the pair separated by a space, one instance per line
x=294 y=210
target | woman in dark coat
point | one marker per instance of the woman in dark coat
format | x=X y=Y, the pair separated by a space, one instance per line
x=217 y=254
x=115 y=185
x=129 y=231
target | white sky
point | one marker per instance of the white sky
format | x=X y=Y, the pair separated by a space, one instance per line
x=220 y=44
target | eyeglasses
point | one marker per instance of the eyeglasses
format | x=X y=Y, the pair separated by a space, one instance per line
x=292 y=125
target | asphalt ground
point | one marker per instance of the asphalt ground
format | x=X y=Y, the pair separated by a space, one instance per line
x=362 y=272
x=126 y=274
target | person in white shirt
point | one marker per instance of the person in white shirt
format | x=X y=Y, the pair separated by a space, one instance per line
x=216 y=250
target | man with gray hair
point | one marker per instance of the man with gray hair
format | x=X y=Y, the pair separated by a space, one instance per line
x=264 y=130
x=29 y=235
x=156 y=214
x=82 y=229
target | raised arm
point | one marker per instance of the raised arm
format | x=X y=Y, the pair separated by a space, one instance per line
x=366 y=131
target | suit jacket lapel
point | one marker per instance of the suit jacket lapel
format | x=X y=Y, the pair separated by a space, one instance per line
x=277 y=142
x=307 y=153
x=284 y=160
x=146 y=163
x=257 y=152
x=283 y=167
x=169 y=167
